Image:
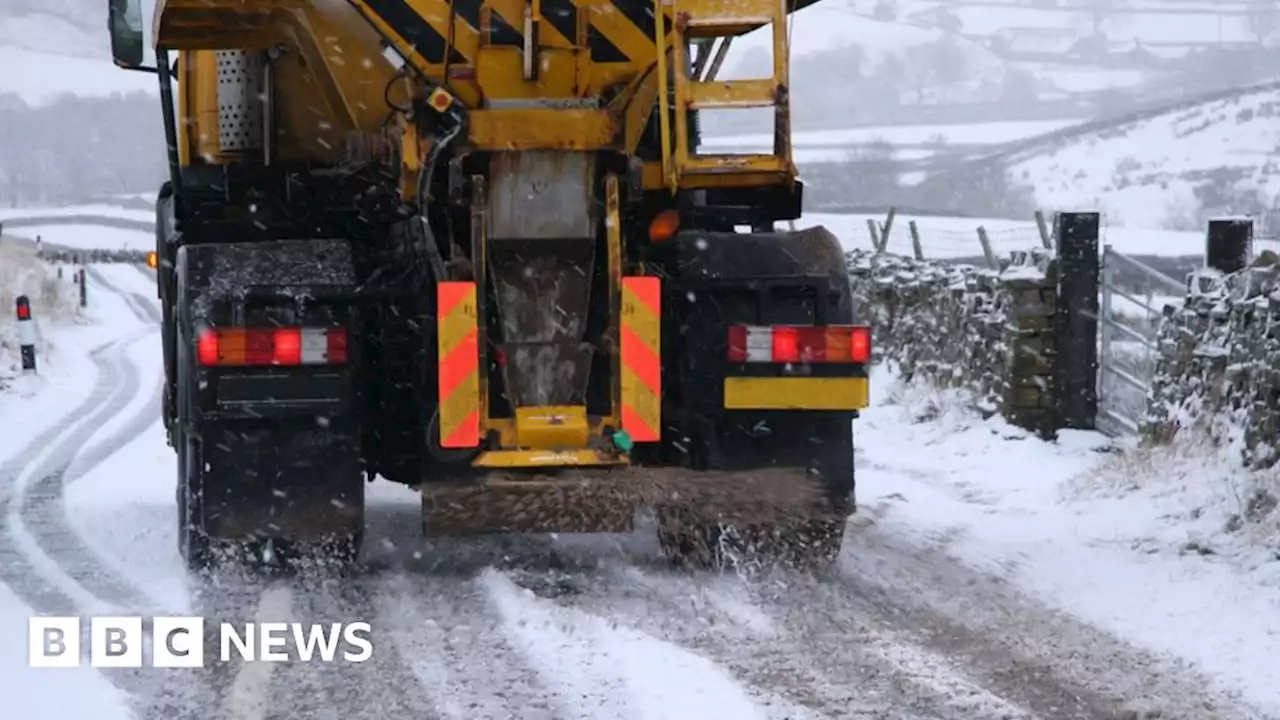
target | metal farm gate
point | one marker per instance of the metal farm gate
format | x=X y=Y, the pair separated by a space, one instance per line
x=1133 y=296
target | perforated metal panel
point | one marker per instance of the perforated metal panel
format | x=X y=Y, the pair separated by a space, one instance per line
x=240 y=97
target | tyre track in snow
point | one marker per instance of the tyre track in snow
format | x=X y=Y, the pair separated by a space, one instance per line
x=1055 y=664
x=44 y=502
x=900 y=631
x=455 y=644
x=381 y=688
x=781 y=644
x=43 y=583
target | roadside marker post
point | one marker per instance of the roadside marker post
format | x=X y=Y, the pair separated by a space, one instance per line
x=84 y=298
x=26 y=335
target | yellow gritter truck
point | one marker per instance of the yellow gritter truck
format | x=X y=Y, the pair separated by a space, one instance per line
x=473 y=246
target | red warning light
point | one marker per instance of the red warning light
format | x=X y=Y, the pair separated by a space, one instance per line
x=440 y=100
x=24 y=309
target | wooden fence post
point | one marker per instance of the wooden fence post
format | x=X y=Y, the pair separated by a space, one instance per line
x=986 y=248
x=1043 y=227
x=916 y=247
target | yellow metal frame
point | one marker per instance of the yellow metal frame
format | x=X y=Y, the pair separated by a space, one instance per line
x=707 y=19
x=514 y=459
x=512 y=433
x=615 y=251
x=794 y=393
x=334 y=72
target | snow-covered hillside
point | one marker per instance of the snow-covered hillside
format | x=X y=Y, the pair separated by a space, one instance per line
x=1149 y=22
x=60 y=47
x=1170 y=170
x=831 y=25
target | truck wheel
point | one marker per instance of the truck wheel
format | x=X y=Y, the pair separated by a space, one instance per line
x=806 y=538
x=193 y=543
x=808 y=545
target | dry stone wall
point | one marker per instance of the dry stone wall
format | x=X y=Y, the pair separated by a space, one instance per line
x=1218 y=367
x=961 y=326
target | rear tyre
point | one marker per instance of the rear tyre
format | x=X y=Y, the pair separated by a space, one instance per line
x=809 y=545
x=807 y=537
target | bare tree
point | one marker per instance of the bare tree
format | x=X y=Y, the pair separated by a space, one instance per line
x=1098 y=12
x=874 y=173
x=1263 y=17
x=945 y=63
x=946 y=19
x=885 y=10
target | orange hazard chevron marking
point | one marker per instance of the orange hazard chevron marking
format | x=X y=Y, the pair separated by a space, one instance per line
x=459 y=372
x=641 y=342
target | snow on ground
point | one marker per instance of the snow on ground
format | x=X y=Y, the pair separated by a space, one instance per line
x=631 y=674
x=1143 y=174
x=145 y=353
x=88 y=237
x=113 y=211
x=1074 y=79
x=48 y=694
x=1099 y=535
x=126 y=504
x=30 y=407
x=54 y=313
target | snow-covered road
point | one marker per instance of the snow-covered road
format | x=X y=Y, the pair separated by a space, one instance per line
x=914 y=625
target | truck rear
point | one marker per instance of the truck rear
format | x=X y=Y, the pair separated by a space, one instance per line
x=473 y=247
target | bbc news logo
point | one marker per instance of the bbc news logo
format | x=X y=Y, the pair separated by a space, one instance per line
x=179 y=642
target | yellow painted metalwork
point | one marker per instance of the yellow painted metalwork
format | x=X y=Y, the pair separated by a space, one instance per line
x=332 y=74
x=796 y=393
x=652 y=178
x=555 y=427
x=704 y=19
x=614 y=255
x=548 y=458
x=529 y=129
x=669 y=171
x=410 y=162
x=735 y=94
x=479 y=269
x=504 y=430
x=334 y=62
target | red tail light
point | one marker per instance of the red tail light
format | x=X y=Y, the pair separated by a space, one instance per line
x=860 y=345
x=799 y=344
x=286 y=346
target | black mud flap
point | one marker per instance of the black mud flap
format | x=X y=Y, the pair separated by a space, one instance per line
x=289 y=483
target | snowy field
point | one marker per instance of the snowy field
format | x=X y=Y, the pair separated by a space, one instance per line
x=1200 y=23
x=990 y=576
x=943 y=237
x=835 y=145
x=40 y=77
x=1143 y=174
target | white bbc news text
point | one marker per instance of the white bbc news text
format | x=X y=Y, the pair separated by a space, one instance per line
x=179 y=642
